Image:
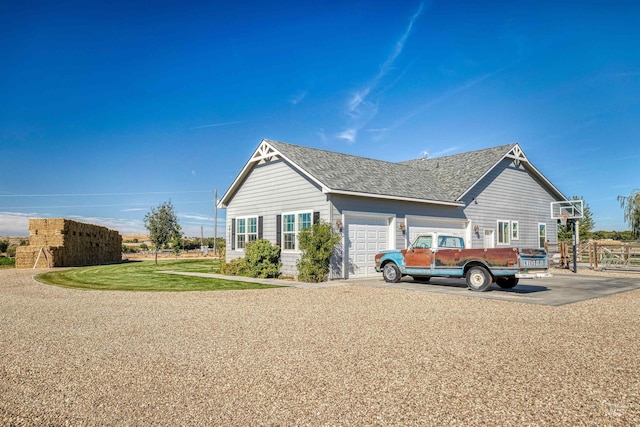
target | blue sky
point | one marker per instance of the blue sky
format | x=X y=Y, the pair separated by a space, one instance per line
x=110 y=108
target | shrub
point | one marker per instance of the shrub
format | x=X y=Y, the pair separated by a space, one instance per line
x=262 y=259
x=4 y=244
x=236 y=267
x=317 y=244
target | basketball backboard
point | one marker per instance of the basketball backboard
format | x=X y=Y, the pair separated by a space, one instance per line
x=567 y=209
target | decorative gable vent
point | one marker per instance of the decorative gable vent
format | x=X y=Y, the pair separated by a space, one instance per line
x=264 y=154
x=517 y=154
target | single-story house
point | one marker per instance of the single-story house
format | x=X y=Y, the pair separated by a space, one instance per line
x=492 y=197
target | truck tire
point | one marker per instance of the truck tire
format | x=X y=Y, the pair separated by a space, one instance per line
x=507 y=282
x=391 y=273
x=478 y=279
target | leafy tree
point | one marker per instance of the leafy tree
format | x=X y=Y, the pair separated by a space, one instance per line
x=3 y=245
x=163 y=226
x=176 y=245
x=317 y=244
x=631 y=207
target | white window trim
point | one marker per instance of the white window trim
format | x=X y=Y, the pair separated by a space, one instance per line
x=498 y=230
x=546 y=233
x=296 y=229
x=246 y=231
x=516 y=235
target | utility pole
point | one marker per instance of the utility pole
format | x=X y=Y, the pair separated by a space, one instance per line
x=215 y=222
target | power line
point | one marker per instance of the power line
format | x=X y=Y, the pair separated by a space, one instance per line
x=97 y=206
x=103 y=194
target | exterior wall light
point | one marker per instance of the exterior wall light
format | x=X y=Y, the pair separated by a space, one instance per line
x=339 y=225
x=403 y=227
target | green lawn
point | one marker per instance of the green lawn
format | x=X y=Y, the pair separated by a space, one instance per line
x=145 y=276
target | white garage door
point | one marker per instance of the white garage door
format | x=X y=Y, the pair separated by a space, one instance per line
x=421 y=226
x=366 y=237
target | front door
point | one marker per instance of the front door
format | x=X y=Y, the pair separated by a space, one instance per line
x=488 y=239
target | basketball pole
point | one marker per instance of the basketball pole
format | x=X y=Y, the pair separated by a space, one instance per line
x=575 y=224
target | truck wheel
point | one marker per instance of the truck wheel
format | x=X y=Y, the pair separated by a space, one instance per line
x=391 y=273
x=507 y=282
x=478 y=279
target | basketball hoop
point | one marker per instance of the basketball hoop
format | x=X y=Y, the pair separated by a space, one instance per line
x=563 y=219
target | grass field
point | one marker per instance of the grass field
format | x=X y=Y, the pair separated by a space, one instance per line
x=145 y=276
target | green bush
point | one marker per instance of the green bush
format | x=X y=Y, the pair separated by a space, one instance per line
x=4 y=244
x=262 y=259
x=317 y=244
x=236 y=267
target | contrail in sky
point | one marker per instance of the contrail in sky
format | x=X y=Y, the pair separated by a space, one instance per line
x=213 y=125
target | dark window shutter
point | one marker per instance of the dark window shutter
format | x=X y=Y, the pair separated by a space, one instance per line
x=316 y=217
x=259 y=227
x=233 y=234
x=279 y=230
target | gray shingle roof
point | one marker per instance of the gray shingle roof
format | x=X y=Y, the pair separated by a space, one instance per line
x=440 y=179
x=458 y=172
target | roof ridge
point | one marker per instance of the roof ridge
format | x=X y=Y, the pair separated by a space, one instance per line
x=507 y=147
x=331 y=152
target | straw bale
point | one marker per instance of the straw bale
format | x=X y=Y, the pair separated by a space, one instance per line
x=68 y=243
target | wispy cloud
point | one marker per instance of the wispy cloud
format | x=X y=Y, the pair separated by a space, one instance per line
x=213 y=125
x=196 y=217
x=448 y=94
x=361 y=96
x=349 y=135
x=360 y=108
x=298 y=97
x=15 y=223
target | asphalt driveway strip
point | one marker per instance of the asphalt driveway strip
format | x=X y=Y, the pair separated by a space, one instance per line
x=558 y=290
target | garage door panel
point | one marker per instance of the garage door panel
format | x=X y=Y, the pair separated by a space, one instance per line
x=367 y=236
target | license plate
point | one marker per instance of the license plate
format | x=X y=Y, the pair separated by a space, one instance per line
x=533 y=263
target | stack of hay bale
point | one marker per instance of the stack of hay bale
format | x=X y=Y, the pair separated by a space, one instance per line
x=60 y=242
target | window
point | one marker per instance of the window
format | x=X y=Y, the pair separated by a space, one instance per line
x=504 y=232
x=542 y=234
x=515 y=230
x=291 y=225
x=289 y=231
x=246 y=231
x=422 y=242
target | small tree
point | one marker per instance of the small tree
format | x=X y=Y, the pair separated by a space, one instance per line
x=163 y=226
x=317 y=244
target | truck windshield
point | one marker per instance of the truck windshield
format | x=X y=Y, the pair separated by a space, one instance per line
x=422 y=242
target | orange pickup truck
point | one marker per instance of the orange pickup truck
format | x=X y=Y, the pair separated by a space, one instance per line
x=435 y=255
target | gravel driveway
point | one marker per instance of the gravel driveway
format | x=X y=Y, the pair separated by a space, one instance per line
x=343 y=355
